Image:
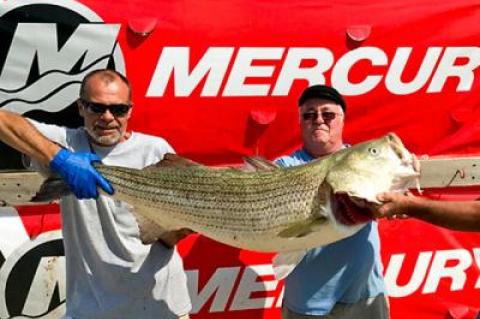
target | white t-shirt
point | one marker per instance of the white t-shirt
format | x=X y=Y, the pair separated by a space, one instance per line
x=110 y=273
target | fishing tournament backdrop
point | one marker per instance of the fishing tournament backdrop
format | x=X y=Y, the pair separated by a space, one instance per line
x=220 y=80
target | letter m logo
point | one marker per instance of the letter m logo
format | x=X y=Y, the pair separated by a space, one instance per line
x=41 y=73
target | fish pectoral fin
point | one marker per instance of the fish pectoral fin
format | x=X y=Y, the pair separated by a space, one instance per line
x=284 y=263
x=174 y=160
x=257 y=163
x=150 y=232
x=171 y=238
x=303 y=228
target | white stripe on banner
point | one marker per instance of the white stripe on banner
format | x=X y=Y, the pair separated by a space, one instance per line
x=12 y=231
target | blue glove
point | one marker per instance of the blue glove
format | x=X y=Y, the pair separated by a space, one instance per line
x=77 y=170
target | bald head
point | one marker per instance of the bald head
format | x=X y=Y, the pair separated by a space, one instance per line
x=105 y=76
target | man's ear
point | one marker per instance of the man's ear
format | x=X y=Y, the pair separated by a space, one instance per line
x=130 y=112
x=81 y=109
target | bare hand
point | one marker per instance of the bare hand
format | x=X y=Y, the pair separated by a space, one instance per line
x=394 y=205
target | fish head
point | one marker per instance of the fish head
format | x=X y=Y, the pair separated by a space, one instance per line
x=361 y=172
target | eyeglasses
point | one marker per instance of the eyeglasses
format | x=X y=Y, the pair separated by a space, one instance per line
x=326 y=116
x=100 y=108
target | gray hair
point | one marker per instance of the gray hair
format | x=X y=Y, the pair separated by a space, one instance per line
x=107 y=76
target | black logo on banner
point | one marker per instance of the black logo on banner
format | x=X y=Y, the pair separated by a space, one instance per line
x=32 y=279
x=47 y=48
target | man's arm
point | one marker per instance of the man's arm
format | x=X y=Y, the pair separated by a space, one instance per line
x=456 y=215
x=20 y=134
x=75 y=168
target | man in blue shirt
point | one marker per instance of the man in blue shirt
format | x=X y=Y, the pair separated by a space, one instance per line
x=342 y=280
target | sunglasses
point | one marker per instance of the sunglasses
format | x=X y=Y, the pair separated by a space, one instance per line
x=100 y=108
x=326 y=116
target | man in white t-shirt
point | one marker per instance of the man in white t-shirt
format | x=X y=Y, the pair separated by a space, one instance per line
x=110 y=273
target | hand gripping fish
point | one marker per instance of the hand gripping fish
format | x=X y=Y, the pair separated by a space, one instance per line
x=269 y=209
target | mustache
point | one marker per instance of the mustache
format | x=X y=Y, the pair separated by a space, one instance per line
x=105 y=127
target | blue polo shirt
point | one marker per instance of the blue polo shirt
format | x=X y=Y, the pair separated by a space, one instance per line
x=343 y=272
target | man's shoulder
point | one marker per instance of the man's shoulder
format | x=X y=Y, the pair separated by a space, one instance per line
x=148 y=137
x=65 y=136
x=152 y=142
x=296 y=158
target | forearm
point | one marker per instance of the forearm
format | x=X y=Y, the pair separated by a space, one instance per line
x=464 y=215
x=20 y=134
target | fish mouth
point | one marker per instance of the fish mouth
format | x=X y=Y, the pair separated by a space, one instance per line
x=351 y=211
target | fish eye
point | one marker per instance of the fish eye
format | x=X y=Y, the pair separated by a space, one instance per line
x=374 y=151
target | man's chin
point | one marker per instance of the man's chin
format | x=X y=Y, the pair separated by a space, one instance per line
x=319 y=136
x=105 y=140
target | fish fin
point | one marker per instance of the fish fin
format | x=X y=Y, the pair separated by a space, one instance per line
x=174 y=160
x=303 y=228
x=150 y=232
x=171 y=238
x=284 y=263
x=257 y=163
x=51 y=189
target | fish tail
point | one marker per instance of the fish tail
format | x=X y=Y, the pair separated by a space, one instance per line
x=51 y=189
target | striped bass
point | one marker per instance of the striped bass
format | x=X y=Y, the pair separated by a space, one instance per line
x=270 y=209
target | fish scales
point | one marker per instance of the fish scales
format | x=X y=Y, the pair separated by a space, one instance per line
x=216 y=199
x=214 y=192
x=177 y=179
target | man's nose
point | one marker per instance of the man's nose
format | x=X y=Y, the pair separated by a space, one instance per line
x=319 y=118
x=107 y=116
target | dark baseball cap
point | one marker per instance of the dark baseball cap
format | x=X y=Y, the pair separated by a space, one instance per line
x=320 y=91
